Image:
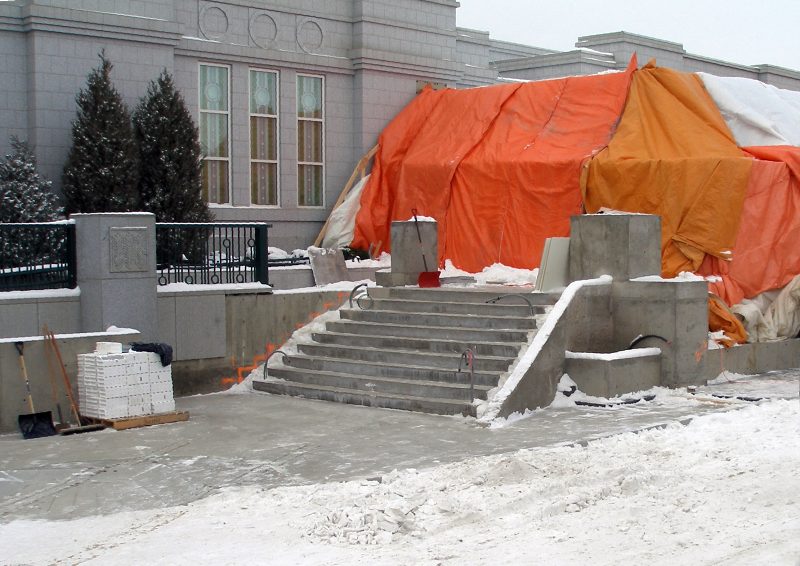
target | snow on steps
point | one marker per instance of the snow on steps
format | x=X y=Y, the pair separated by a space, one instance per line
x=403 y=349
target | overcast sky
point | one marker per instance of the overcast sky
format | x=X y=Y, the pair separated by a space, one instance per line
x=740 y=31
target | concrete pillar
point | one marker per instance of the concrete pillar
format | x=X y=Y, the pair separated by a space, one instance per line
x=624 y=246
x=117 y=271
x=675 y=310
x=407 y=252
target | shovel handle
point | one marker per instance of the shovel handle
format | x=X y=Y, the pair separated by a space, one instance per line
x=20 y=346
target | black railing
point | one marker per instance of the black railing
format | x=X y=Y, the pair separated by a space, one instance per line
x=37 y=255
x=212 y=253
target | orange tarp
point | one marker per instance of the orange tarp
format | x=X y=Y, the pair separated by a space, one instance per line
x=767 y=250
x=498 y=167
x=673 y=155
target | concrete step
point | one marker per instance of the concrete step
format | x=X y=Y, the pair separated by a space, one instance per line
x=440 y=320
x=422 y=344
x=381 y=369
x=394 y=356
x=380 y=385
x=517 y=307
x=463 y=294
x=413 y=331
x=356 y=397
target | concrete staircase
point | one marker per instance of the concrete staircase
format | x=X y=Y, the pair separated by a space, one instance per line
x=402 y=349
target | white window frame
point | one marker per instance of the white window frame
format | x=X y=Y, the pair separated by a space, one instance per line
x=321 y=121
x=228 y=113
x=277 y=115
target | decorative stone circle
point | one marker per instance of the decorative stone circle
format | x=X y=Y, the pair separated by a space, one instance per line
x=309 y=35
x=263 y=30
x=213 y=22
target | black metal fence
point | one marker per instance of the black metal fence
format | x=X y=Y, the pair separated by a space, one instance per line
x=38 y=255
x=212 y=253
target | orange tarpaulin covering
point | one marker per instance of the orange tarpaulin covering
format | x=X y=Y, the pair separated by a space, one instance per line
x=673 y=155
x=498 y=167
x=767 y=250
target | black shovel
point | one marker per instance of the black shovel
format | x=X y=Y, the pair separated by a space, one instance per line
x=34 y=425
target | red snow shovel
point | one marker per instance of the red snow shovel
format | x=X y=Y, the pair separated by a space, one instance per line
x=426 y=278
x=33 y=425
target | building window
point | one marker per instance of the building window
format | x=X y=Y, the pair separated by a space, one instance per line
x=310 y=141
x=215 y=133
x=263 y=137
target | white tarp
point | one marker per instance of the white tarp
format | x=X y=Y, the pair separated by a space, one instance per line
x=342 y=222
x=772 y=315
x=757 y=113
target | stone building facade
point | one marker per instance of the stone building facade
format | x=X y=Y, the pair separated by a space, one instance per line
x=287 y=94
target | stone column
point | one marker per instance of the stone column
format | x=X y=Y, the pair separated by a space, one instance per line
x=407 y=252
x=117 y=271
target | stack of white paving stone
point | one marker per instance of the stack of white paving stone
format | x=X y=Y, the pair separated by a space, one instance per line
x=115 y=385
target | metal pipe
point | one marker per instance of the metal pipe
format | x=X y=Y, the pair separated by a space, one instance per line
x=266 y=362
x=353 y=292
x=468 y=356
x=523 y=297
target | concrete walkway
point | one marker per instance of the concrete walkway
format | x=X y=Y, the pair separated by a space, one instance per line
x=258 y=439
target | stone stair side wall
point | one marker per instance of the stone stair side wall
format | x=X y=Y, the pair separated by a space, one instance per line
x=533 y=381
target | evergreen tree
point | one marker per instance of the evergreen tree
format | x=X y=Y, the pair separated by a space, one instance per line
x=25 y=196
x=101 y=173
x=169 y=153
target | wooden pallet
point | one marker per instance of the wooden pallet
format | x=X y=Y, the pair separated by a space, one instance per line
x=144 y=420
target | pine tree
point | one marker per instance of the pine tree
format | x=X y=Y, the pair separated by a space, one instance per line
x=169 y=153
x=25 y=196
x=101 y=173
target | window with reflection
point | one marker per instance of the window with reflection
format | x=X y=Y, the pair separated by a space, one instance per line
x=215 y=133
x=310 y=141
x=263 y=137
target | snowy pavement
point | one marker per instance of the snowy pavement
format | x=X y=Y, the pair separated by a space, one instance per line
x=262 y=479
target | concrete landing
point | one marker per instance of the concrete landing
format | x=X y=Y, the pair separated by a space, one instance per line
x=234 y=440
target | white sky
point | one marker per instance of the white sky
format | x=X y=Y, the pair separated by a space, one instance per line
x=740 y=31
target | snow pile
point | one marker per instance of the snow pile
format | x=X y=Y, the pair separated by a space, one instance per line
x=496 y=274
x=383 y=261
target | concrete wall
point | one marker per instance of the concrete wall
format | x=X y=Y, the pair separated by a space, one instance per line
x=24 y=314
x=236 y=327
x=748 y=359
x=13 y=400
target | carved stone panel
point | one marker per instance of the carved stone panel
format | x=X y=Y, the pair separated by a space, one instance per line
x=128 y=249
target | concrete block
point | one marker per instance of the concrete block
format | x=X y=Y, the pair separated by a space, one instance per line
x=408 y=252
x=624 y=246
x=612 y=377
x=18 y=319
x=200 y=327
x=674 y=310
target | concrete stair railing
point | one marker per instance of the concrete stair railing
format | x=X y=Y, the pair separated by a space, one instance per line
x=403 y=349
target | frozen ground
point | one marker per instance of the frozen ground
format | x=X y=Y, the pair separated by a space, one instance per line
x=266 y=480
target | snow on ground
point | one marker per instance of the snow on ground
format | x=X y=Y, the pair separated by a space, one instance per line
x=721 y=490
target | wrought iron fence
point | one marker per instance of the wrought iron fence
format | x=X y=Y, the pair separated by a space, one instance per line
x=37 y=255
x=212 y=253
